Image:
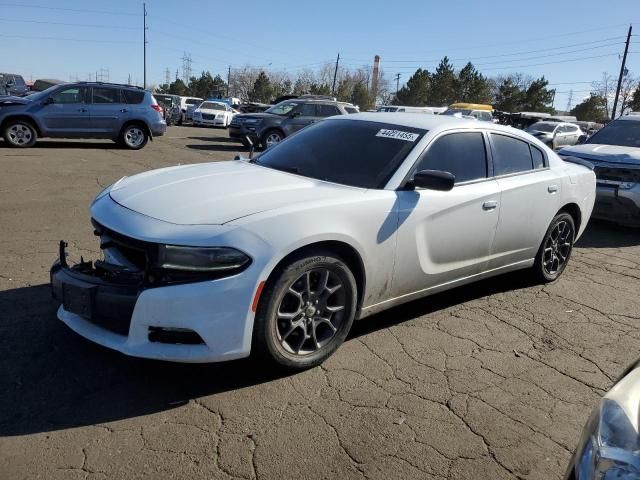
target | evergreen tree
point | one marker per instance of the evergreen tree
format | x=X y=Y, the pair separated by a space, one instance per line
x=591 y=109
x=262 y=89
x=471 y=86
x=417 y=90
x=443 y=84
x=361 y=97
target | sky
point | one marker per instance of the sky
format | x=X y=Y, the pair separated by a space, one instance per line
x=570 y=43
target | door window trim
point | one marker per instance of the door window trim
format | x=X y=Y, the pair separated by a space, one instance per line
x=526 y=172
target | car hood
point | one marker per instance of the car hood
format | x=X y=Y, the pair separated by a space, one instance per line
x=218 y=193
x=605 y=153
x=11 y=100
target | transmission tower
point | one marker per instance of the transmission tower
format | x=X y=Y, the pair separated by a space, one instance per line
x=167 y=76
x=569 y=102
x=186 y=67
x=102 y=75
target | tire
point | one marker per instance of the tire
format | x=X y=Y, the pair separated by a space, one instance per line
x=19 y=134
x=305 y=311
x=271 y=137
x=181 y=119
x=555 y=249
x=134 y=136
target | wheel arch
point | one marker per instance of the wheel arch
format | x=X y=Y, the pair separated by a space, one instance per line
x=142 y=123
x=268 y=130
x=574 y=210
x=23 y=117
x=342 y=249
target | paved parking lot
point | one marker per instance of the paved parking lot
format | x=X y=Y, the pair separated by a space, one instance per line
x=490 y=381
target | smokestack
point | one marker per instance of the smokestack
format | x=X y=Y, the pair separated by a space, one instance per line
x=376 y=77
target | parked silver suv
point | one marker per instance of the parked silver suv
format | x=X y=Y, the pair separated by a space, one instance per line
x=128 y=115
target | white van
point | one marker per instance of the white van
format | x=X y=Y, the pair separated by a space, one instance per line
x=401 y=108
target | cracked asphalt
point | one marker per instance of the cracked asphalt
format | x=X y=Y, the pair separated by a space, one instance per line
x=488 y=381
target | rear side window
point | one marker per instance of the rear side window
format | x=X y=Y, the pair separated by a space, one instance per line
x=106 y=95
x=537 y=156
x=510 y=155
x=133 y=96
x=351 y=110
x=327 y=110
x=307 y=110
x=19 y=80
x=462 y=154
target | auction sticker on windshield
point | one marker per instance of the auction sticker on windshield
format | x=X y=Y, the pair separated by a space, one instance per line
x=399 y=134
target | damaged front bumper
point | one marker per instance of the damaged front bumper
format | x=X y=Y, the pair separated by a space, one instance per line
x=102 y=294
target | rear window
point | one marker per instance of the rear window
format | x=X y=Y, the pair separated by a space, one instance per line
x=106 y=95
x=357 y=153
x=133 y=96
x=510 y=155
x=193 y=101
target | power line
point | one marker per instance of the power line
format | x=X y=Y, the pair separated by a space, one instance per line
x=80 y=40
x=78 y=10
x=91 y=25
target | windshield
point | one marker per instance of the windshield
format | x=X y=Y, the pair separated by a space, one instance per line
x=193 y=101
x=542 y=127
x=43 y=94
x=283 y=108
x=453 y=111
x=213 y=106
x=625 y=133
x=356 y=153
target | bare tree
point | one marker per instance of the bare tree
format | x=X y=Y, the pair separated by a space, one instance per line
x=627 y=88
x=242 y=80
x=605 y=88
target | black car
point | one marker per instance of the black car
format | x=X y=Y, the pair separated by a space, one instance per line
x=281 y=120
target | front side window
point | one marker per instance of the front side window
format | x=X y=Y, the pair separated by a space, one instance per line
x=356 y=153
x=69 y=95
x=461 y=154
x=510 y=155
x=307 y=110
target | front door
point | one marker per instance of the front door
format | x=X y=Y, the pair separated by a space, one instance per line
x=530 y=199
x=447 y=236
x=107 y=111
x=68 y=114
x=305 y=114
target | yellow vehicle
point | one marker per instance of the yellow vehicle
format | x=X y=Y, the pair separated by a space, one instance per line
x=478 y=111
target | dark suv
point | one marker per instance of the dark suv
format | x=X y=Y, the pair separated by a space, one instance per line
x=128 y=115
x=279 y=121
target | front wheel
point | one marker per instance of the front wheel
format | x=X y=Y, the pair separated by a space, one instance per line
x=306 y=312
x=20 y=134
x=555 y=250
x=134 y=136
x=272 y=138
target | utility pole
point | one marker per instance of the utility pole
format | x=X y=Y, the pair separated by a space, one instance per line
x=397 y=84
x=228 y=80
x=622 y=69
x=144 y=45
x=335 y=74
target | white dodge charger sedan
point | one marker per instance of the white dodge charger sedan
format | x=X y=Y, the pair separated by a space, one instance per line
x=278 y=255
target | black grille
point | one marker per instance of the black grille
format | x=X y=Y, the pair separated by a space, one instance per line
x=137 y=252
x=617 y=174
x=208 y=116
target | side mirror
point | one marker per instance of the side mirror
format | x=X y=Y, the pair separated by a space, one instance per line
x=434 y=180
x=294 y=114
x=48 y=101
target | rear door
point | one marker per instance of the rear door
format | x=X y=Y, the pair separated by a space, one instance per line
x=447 y=236
x=107 y=111
x=530 y=193
x=68 y=114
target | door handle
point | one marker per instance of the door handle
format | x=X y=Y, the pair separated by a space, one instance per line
x=489 y=205
x=123 y=110
x=552 y=188
x=82 y=110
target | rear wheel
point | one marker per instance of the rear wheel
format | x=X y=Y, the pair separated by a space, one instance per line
x=20 y=134
x=134 y=136
x=306 y=312
x=555 y=250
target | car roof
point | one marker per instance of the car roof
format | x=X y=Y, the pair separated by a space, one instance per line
x=630 y=118
x=428 y=122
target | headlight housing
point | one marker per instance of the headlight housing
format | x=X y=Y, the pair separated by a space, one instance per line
x=610 y=442
x=201 y=259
